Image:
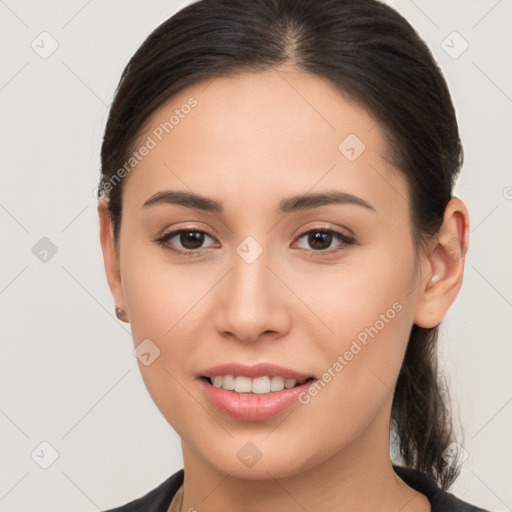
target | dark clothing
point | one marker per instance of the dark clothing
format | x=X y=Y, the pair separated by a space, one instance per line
x=159 y=499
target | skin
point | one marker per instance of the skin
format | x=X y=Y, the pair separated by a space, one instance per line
x=251 y=141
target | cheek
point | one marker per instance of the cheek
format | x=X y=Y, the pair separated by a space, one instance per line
x=166 y=305
x=159 y=296
x=367 y=315
x=160 y=302
x=356 y=295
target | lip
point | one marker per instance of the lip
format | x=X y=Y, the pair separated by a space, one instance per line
x=252 y=407
x=258 y=370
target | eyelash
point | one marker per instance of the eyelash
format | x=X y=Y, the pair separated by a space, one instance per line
x=346 y=241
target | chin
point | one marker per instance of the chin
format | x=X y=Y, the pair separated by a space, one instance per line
x=258 y=458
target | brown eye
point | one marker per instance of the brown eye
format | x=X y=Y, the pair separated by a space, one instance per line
x=320 y=240
x=191 y=239
x=186 y=241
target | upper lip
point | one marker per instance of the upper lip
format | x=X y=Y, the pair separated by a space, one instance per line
x=257 y=370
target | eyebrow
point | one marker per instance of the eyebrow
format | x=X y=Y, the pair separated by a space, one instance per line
x=290 y=204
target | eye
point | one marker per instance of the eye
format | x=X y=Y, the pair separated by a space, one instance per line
x=191 y=240
x=320 y=239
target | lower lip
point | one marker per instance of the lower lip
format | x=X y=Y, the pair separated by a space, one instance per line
x=253 y=407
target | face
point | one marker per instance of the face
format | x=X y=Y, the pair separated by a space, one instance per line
x=327 y=288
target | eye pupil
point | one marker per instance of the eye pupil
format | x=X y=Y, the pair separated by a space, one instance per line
x=195 y=237
x=316 y=237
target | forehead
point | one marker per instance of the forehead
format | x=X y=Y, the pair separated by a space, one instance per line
x=260 y=134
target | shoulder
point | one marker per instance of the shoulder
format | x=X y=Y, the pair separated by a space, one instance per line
x=156 y=500
x=440 y=500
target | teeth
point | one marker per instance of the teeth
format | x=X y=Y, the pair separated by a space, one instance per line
x=259 y=385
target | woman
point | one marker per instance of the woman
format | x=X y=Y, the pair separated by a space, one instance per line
x=279 y=228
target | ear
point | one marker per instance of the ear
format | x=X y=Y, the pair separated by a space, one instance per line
x=443 y=266
x=110 y=254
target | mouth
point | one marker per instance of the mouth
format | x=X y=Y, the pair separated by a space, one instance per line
x=254 y=399
x=254 y=386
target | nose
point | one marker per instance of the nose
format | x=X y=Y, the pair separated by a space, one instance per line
x=251 y=301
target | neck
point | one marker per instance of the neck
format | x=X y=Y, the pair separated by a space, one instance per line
x=358 y=477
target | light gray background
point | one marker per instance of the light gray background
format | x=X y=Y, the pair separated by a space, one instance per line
x=68 y=374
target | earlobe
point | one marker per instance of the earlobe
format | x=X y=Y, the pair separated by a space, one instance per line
x=110 y=256
x=443 y=266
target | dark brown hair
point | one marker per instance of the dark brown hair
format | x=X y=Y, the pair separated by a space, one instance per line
x=374 y=57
